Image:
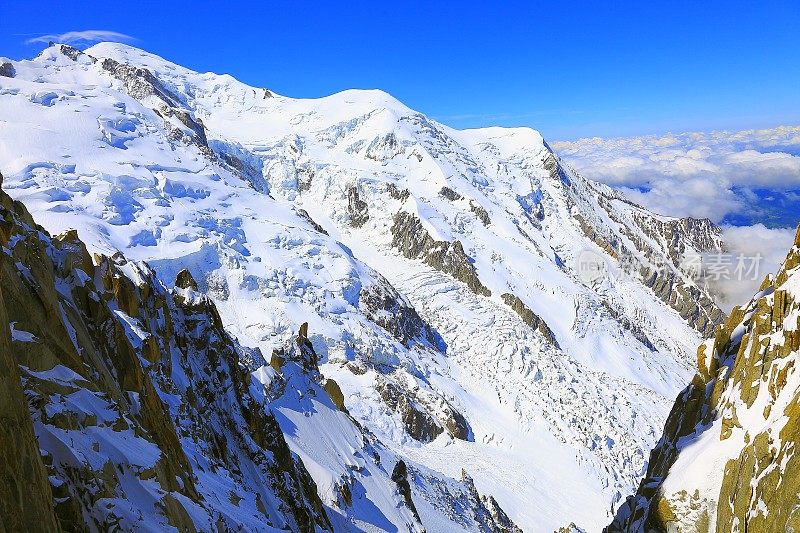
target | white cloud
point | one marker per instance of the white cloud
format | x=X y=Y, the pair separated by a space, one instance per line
x=82 y=37
x=691 y=174
x=758 y=241
x=694 y=197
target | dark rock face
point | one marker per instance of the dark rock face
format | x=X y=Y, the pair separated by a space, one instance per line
x=303 y=213
x=26 y=501
x=396 y=193
x=384 y=148
x=477 y=209
x=666 y=243
x=609 y=246
x=335 y=392
x=400 y=477
x=690 y=302
x=357 y=208
x=415 y=411
x=693 y=304
x=626 y=323
x=480 y=212
x=487 y=511
x=450 y=194
x=529 y=317
x=389 y=309
x=185 y=280
x=305 y=178
x=7 y=70
x=303 y=352
x=553 y=167
x=703 y=234
x=414 y=242
x=175 y=384
x=70 y=51
x=419 y=424
x=198 y=136
x=140 y=83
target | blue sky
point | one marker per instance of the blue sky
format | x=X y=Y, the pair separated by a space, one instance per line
x=570 y=70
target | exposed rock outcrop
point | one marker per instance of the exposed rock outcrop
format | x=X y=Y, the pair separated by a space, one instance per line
x=131 y=388
x=690 y=302
x=726 y=460
x=26 y=501
x=335 y=392
x=400 y=477
x=480 y=212
x=410 y=237
x=487 y=509
x=7 y=70
x=396 y=193
x=185 y=280
x=529 y=317
x=553 y=167
x=394 y=313
x=303 y=213
x=425 y=416
x=70 y=51
x=356 y=208
x=384 y=147
x=629 y=325
x=652 y=248
x=141 y=84
x=450 y=194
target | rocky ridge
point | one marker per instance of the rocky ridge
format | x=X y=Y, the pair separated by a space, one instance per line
x=726 y=460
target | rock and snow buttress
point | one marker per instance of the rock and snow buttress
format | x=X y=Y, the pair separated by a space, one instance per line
x=727 y=459
x=439 y=270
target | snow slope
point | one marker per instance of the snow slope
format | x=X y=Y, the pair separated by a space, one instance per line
x=437 y=269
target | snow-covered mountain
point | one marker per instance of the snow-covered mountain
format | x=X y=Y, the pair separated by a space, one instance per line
x=439 y=272
x=727 y=460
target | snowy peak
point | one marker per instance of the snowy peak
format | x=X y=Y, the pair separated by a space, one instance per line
x=726 y=459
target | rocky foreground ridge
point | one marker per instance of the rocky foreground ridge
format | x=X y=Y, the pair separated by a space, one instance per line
x=728 y=459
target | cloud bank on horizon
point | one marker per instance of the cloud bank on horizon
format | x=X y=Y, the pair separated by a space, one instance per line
x=739 y=178
x=82 y=37
x=747 y=181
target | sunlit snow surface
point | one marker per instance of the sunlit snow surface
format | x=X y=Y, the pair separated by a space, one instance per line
x=559 y=434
